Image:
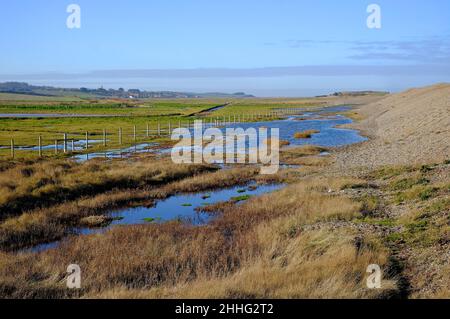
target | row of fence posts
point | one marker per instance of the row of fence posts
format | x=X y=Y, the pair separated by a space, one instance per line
x=213 y=122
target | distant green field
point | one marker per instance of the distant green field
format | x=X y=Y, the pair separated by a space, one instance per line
x=38 y=98
x=108 y=107
x=146 y=107
x=262 y=106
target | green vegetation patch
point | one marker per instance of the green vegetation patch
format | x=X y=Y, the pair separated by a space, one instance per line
x=391 y=171
x=417 y=192
x=241 y=198
x=152 y=219
x=407 y=183
x=441 y=205
x=417 y=226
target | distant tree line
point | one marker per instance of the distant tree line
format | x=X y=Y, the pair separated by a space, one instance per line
x=25 y=88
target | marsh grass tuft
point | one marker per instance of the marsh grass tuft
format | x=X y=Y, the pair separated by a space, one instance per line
x=95 y=221
x=305 y=134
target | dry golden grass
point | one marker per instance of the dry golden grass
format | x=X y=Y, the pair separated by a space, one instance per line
x=315 y=264
x=294 y=156
x=260 y=244
x=220 y=179
x=355 y=116
x=29 y=185
x=95 y=221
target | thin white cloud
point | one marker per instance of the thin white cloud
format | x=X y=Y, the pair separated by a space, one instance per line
x=429 y=50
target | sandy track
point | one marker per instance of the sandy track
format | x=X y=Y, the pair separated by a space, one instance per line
x=411 y=127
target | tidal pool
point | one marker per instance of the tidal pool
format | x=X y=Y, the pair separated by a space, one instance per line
x=178 y=207
x=183 y=206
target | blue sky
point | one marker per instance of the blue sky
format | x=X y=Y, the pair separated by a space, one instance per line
x=268 y=48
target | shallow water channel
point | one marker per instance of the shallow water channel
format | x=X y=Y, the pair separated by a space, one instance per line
x=322 y=120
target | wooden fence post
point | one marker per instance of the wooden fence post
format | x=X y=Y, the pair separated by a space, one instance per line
x=56 y=146
x=65 y=143
x=40 y=146
x=120 y=136
x=12 y=148
x=87 y=140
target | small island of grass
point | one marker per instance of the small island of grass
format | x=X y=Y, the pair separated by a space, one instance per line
x=305 y=134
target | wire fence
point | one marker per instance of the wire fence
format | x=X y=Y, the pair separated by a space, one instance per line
x=129 y=138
